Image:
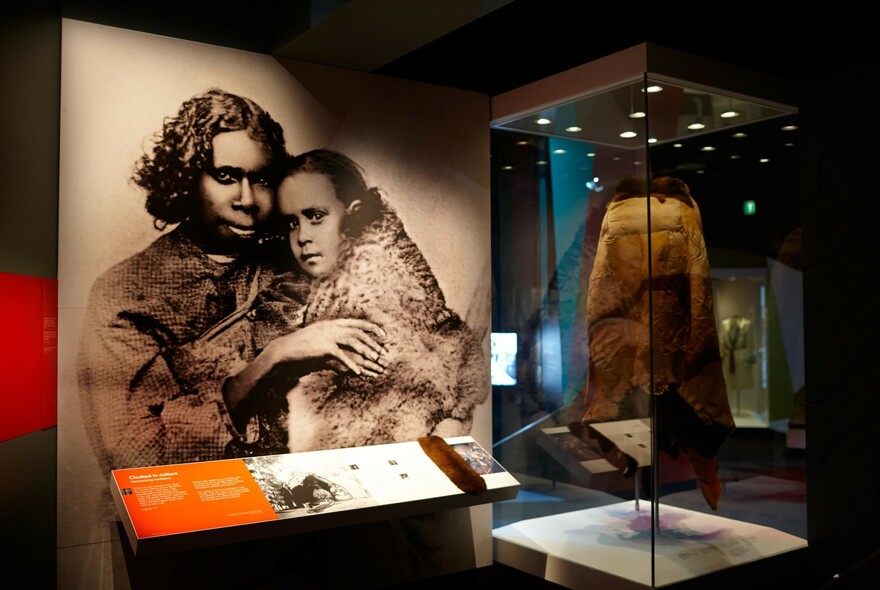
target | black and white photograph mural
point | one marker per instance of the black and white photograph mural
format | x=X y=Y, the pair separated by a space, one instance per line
x=259 y=257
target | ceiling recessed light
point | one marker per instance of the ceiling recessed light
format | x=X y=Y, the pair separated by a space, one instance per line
x=652 y=140
x=653 y=88
x=543 y=121
x=628 y=134
x=729 y=114
x=707 y=148
x=735 y=156
x=559 y=151
x=696 y=125
x=507 y=167
x=789 y=128
x=573 y=129
x=637 y=115
x=764 y=160
x=677 y=145
x=740 y=135
x=541 y=162
x=522 y=142
x=591 y=154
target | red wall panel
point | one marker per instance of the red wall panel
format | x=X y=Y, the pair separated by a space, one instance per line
x=28 y=354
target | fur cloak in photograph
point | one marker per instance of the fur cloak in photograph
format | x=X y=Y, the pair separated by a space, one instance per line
x=435 y=374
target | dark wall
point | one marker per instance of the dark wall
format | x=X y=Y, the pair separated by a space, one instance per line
x=842 y=327
x=30 y=62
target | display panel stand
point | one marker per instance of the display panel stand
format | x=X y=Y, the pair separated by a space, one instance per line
x=585 y=464
x=194 y=505
x=588 y=468
x=632 y=437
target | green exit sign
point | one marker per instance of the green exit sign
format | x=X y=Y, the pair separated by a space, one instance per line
x=748 y=207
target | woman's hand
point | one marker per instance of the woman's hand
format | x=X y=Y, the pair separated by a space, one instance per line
x=354 y=343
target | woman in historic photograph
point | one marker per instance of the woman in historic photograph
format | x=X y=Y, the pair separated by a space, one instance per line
x=364 y=266
x=151 y=388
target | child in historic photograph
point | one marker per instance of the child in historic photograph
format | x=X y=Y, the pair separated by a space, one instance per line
x=364 y=266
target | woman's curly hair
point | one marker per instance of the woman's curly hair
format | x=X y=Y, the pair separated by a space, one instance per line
x=184 y=149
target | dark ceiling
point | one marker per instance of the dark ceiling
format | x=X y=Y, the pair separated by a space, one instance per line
x=527 y=40
x=521 y=41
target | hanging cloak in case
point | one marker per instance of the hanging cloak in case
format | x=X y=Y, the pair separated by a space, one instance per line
x=652 y=329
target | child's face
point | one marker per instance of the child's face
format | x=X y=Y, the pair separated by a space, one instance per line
x=316 y=217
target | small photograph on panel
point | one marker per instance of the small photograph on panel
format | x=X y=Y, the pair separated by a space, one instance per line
x=296 y=486
x=478 y=458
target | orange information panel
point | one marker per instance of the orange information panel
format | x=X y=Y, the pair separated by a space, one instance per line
x=190 y=505
x=191 y=497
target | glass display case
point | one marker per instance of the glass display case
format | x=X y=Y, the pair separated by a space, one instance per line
x=647 y=345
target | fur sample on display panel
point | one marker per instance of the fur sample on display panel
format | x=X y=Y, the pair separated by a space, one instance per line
x=453 y=465
x=435 y=374
x=654 y=332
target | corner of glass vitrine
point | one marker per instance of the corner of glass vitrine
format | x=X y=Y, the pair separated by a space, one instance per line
x=588 y=282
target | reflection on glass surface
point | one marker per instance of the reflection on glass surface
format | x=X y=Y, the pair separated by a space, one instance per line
x=503 y=367
x=676 y=113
